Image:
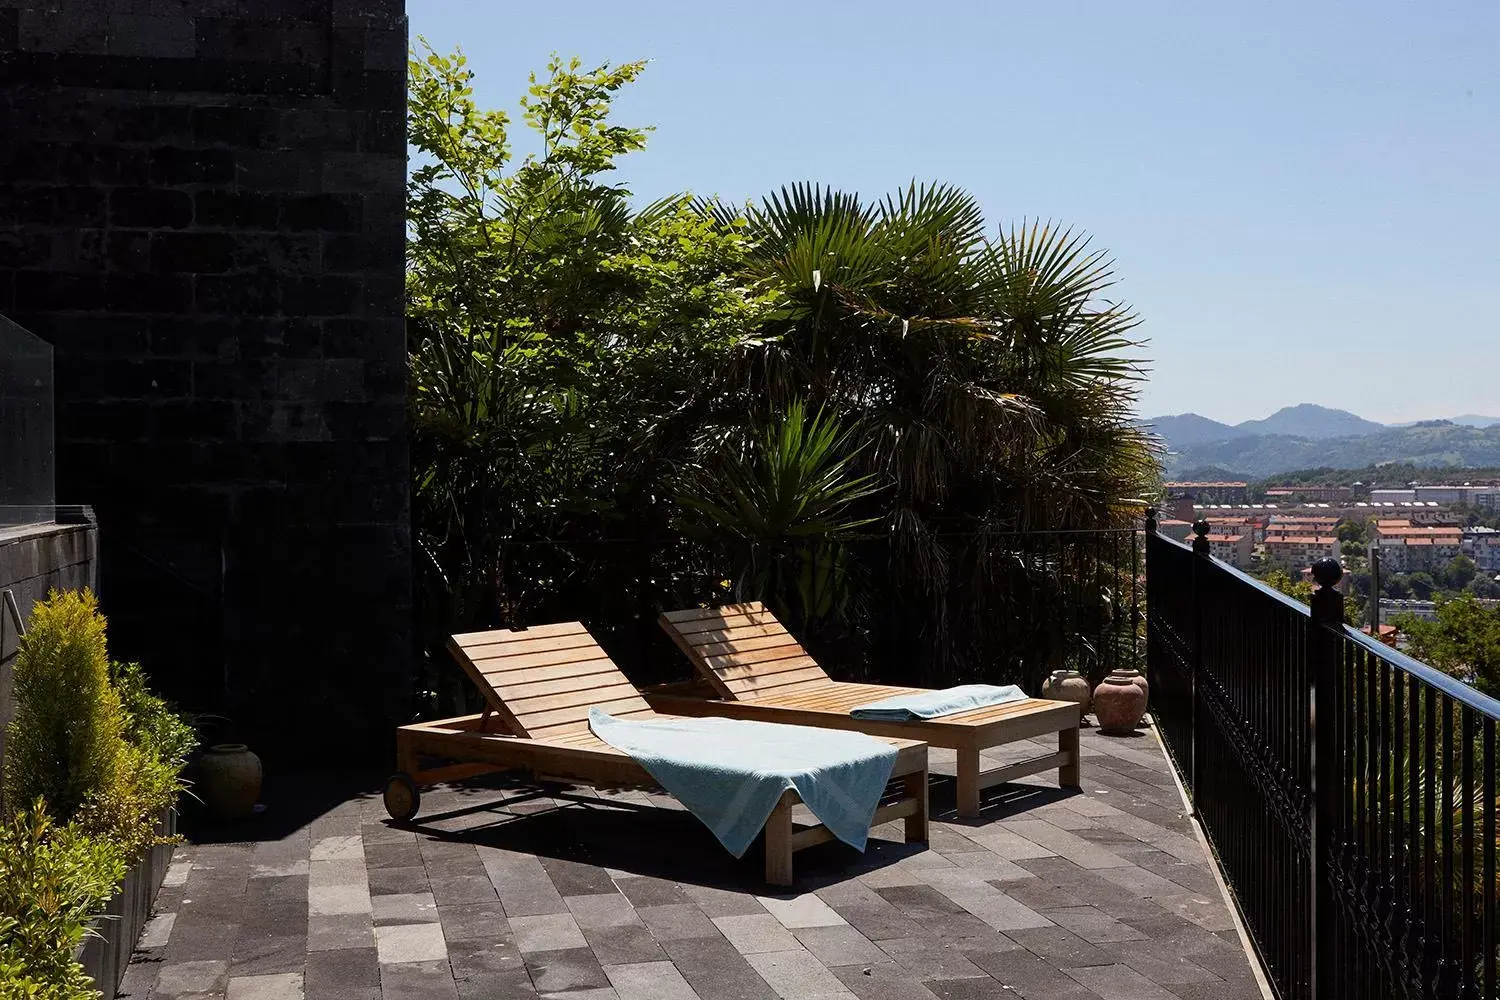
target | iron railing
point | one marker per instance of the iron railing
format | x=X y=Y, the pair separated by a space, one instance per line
x=997 y=607
x=1358 y=840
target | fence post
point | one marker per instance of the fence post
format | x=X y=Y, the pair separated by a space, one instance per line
x=1201 y=550
x=1324 y=651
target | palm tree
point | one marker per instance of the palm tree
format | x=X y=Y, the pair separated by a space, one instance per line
x=988 y=380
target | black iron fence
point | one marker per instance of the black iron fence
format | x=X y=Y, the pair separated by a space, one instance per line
x=1347 y=790
x=999 y=607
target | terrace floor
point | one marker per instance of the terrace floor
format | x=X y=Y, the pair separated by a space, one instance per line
x=501 y=892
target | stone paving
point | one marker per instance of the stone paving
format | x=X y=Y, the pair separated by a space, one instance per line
x=499 y=891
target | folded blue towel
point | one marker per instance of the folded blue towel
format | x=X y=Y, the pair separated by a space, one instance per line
x=730 y=773
x=932 y=704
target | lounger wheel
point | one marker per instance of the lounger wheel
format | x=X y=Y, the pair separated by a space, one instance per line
x=402 y=799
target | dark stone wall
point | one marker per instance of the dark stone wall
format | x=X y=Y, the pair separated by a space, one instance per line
x=201 y=208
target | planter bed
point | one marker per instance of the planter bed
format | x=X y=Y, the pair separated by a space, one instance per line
x=106 y=950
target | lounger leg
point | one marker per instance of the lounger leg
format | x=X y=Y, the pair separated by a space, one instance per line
x=968 y=783
x=1068 y=775
x=406 y=758
x=915 y=787
x=779 y=843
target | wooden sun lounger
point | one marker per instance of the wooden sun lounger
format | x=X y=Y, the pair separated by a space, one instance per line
x=538 y=686
x=750 y=667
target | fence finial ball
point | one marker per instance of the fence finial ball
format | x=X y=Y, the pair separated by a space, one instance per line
x=1327 y=571
x=1200 y=527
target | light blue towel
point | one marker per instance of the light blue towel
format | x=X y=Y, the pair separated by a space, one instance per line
x=932 y=704
x=730 y=773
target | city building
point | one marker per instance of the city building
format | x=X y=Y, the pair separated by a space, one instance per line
x=1467 y=495
x=1483 y=546
x=1225 y=492
x=1233 y=549
x=1327 y=494
x=1408 y=548
x=1295 y=553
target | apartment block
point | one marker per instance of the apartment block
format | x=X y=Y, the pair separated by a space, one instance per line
x=1233 y=549
x=1295 y=553
x=1211 y=492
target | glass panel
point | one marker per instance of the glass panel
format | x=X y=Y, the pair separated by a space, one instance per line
x=27 y=485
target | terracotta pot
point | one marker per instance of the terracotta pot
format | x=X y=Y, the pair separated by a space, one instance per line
x=1120 y=701
x=229 y=780
x=1068 y=685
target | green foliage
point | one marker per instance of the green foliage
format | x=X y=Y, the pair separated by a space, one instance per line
x=592 y=379
x=1464 y=640
x=100 y=757
x=1354 y=532
x=1302 y=590
x=157 y=743
x=66 y=740
x=1484 y=587
x=53 y=879
x=781 y=506
x=1422 y=585
x=1459 y=573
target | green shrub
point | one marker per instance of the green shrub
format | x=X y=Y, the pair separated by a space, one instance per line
x=53 y=879
x=156 y=746
x=150 y=722
x=66 y=741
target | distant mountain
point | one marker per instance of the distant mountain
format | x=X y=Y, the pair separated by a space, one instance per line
x=1309 y=420
x=1431 y=444
x=1183 y=430
x=1475 y=420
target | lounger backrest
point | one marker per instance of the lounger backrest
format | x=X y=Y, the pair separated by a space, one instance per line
x=743 y=651
x=543 y=680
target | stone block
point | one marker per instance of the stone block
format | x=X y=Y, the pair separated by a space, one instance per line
x=193 y=252
x=161 y=36
x=146 y=207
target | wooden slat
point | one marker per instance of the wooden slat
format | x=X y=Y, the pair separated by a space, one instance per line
x=555 y=685
x=465 y=639
x=745 y=645
x=700 y=614
x=539 y=659
x=762 y=685
x=707 y=636
x=526 y=707
x=614 y=706
x=729 y=622
x=501 y=677
x=769 y=656
x=1020 y=769
x=489 y=650
x=821 y=835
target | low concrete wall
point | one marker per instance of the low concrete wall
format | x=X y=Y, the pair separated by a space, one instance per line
x=105 y=952
x=34 y=559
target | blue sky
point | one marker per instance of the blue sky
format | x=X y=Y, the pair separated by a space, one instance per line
x=1303 y=199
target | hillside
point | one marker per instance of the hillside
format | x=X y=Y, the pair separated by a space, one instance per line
x=1308 y=420
x=1432 y=444
x=1183 y=430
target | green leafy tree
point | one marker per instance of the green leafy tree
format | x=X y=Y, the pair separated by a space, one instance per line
x=65 y=743
x=1395 y=587
x=558 y=334
x=1484 y=587
x=1422 y=585
x=1459 y=573
x=580 y=364
x=1464 y=640
x=53 y=880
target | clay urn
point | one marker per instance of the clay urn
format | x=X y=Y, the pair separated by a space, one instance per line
x=1068 y=685
x=1120 y=701
x=229 y=780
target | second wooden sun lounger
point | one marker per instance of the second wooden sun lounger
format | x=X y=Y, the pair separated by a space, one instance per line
x=750 y=667
x=538 y=686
